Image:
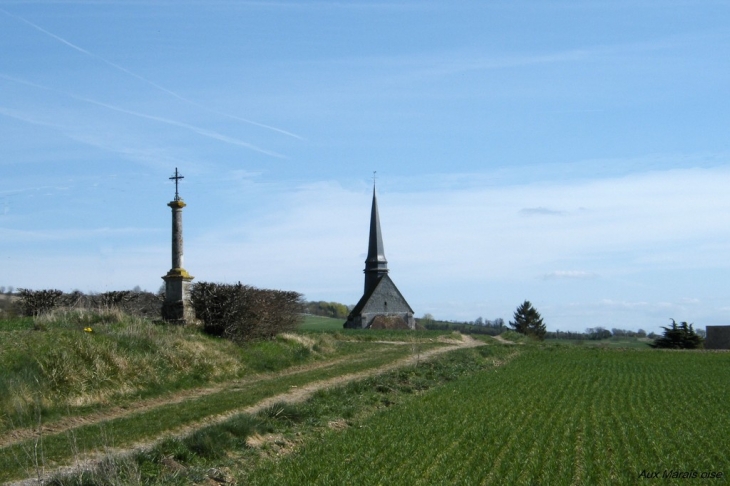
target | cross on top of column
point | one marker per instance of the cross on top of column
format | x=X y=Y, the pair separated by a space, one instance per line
x=177 y=177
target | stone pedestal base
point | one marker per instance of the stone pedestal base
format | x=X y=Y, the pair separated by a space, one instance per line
x=177 y=308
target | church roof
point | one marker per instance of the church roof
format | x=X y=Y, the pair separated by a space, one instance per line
x=376 y=253
x=382 y=281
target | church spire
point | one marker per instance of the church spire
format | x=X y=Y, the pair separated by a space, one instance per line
x=375 y=264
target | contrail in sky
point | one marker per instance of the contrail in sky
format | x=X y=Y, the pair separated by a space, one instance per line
x=145 y=80
x=198 y=130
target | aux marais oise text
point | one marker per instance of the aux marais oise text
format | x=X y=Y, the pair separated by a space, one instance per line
x=672 y=474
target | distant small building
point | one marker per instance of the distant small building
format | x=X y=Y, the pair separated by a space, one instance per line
x=718 y=337
x=382 y=306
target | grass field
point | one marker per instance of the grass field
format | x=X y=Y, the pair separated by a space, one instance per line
x=550 y=416
x=319 y=323
x=525 y=413
x=614 y=342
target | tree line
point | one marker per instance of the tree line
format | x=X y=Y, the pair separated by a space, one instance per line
x=327 y=309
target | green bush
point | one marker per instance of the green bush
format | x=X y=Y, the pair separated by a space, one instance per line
x=34 y=303
x=241 y=312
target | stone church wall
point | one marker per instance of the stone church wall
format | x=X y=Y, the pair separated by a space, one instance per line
x=387 y=301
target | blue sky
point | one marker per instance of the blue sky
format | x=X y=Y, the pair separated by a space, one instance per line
x=572 y=153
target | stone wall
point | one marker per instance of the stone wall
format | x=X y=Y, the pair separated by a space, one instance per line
x=391 y=320
x=718 y=337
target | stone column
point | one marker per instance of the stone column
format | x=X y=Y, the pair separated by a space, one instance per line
x=177 y=307
x=177 y=233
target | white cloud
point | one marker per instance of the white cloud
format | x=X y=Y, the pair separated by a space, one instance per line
x=25 y=236
x=464 y=252
x=578 y=274
x=540 y=211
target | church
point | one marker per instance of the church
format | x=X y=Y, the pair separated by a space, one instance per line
x=382 y=306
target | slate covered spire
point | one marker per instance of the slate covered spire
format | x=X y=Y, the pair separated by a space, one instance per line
x=375 y=264
x=381 y=306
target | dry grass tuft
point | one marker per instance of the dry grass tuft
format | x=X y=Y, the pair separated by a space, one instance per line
x=339 y=424
x=305 y=341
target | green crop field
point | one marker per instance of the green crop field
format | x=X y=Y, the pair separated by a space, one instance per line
x=614 y=342
x=319 y=323
x=552 y=415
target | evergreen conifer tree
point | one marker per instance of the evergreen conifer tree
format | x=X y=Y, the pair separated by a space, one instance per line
x=528 y=321
x=682 y=336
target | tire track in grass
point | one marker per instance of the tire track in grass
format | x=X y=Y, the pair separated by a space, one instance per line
x=535 y=448
x=437 y=440
x=579 y=453
x=475 y=463
x=596 y=442
x=613 y=385
x=65 y=424
x=507 y=446
x=443 y=454
x=561 y=470
x=644 y=443
x=620 y=424
x=394 y=461
x=581 y=419
x=440 y=437
x=637 y=402
x=543 y=448
x=610 y=426
x=453 y=438
x=16 y=436
x=480 y=435
x=293 y=396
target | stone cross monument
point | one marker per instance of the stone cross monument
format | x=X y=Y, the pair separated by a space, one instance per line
x=176 y=306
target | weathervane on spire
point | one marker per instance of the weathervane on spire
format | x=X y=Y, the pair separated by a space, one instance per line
x=374 y=177
x=177 y=177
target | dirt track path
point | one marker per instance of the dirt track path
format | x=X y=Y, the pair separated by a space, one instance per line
x=68 y=423
x=299 y=394
x=295 y=395
x=502 y=340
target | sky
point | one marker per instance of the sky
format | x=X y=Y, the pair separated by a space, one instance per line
x=572 y=153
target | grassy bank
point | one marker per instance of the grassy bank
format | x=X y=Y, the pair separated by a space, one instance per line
x=79 y=362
